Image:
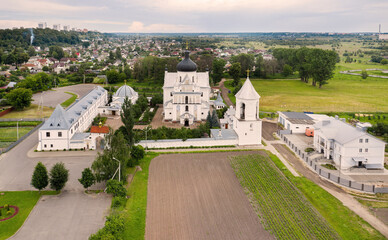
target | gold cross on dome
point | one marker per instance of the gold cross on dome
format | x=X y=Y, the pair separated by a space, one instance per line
x=187 y=45
x=248 y=72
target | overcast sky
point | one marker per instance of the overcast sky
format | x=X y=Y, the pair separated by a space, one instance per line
x=169 y=16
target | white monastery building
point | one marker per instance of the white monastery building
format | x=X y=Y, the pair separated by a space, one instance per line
x=118 y=98
x=240 y=126
x=186 y=93
x=348 y=146
x=65 y=128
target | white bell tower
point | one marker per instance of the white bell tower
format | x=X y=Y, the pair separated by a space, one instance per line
x=246 y=121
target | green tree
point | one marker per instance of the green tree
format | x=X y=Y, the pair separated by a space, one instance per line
x=384 y=61
x=364 y=74
x=137 y=153
x=87 y=178
x=58 y=176
x=39 y=177
x=218 y=69
x=116 y=188
x=322 y=65
x=287 y=70
x=214 y=120
x=31 y=51
x=56 y=52
x=127 y=72
x=113 y=76
x=118 y=53
x=234 y=72
x=19 y=98
x=259 y=67
x=128 y=120
x=104 y=166
x=246 y=62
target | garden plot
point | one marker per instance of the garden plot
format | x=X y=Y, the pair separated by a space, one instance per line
x=197 y=196
x=283 y=208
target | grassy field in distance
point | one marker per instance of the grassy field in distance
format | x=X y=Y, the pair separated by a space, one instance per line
x=343 y=93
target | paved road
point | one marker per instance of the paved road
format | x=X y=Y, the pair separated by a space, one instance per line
x=224 y=93
x=56 y=96
x=71 y=215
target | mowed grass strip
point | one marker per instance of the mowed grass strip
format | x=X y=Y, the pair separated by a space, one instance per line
x=136 y=207
x=10 y=134
x=25 y=200
x=69 y=101
x=345 y=222
x=284 y=209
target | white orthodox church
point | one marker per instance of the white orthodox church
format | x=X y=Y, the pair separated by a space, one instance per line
x=186 y=93
x=118 y=98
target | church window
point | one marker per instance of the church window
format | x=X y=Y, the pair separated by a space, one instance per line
x=59 y=134
x=193 y=78
x=51 y=145
x=47 y=134
x=180 y=79
x=186 y=99
x=187 y=108
x=242 y=111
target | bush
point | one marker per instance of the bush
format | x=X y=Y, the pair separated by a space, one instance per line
x=118 y=202
x=113 y=229
x=309 y=150
x=137 y=153
x=116 y=188
x=6 y=207
x=9 y=213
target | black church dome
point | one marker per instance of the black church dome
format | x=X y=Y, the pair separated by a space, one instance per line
x=186 y=65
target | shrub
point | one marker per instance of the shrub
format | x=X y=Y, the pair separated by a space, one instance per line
x=114 y=227
x=6 y=207
x=116 y=188
x=118 y=202
x=9 y=213
x=64 y=149
x=309 y=150
x=39 y=177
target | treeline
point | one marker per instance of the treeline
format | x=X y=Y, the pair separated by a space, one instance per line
x=9 y=39
x=311 y=63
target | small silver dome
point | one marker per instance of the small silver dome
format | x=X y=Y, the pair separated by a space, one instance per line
x=125 y=91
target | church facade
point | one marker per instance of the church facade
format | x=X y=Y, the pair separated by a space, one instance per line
x=186 y=93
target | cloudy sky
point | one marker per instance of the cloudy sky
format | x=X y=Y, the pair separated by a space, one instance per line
x=200 y=15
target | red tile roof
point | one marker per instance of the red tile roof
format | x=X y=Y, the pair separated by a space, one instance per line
x=97 y=129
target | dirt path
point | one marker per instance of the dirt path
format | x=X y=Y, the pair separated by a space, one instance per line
x=197 y=196
x=224 y=93
x=268 y=129
x=334 y=190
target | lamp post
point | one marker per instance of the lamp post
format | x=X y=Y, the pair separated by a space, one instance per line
x=118 y=168
x=17 y=129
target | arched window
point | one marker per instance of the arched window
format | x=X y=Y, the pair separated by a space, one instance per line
x=180 y=79
x=242 y=111
x=187 y=100
x=187 y=108
x=193 y=78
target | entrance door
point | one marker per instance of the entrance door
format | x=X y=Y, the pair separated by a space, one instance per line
x=226 y=126
x=113 y=112
x=360 y=163
x=186 y=122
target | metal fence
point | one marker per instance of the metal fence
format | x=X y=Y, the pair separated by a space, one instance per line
x=21 y=119
x=329 y=175
x=23 y=137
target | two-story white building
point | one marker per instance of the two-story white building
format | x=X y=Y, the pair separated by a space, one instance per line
x=65 y=128
x=348 y=146
x=186 y=93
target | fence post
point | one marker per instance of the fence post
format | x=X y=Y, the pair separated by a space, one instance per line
x=350 y=183
x=339 y=179
x=328 y=175
x=362 y=187
x=319 y=171
x=373 y=188
x=315 y=167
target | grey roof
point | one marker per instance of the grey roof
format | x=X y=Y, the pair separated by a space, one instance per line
x=223 y=134
x=125 y=91
x=79 y=136
x=297 y=115
x=63 y=120
x=340 y=131
x=186 y=65
x=57 y=120
x=219 y=101
x=247 y=91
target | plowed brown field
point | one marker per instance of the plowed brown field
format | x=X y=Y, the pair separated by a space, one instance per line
x=197 y=196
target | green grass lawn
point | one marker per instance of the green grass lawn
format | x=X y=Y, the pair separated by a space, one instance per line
x=30 y=112
x=69 y=101
x=136 y=207
x=10 y=134
x=25 y=200
x=346 y=223
x=343 y=93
